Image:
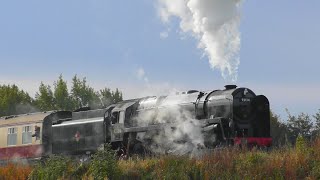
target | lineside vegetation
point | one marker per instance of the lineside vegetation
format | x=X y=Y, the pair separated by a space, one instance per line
x=301 y=161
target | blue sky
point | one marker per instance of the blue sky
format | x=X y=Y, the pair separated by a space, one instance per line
x=110 y=41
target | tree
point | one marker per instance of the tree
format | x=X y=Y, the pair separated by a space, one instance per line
x=83 y=95
x=109 y=97
x=26 y=105
x=299 y=125
x=317 y=121
x=117 y=96
x=279 y=130
x=14 y=101
x=61 y=95
x=44 y=98
x=106 y=96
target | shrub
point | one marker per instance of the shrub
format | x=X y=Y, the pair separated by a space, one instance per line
x=301 y=144
x=104 y=164
x=52 y=168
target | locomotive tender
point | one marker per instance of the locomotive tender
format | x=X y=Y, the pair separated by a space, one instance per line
x=229 y=116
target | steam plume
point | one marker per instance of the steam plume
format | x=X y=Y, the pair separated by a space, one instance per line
x=185 y=138
x=215 y=24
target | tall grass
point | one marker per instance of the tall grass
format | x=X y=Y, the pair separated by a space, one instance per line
x=15 y=172
x=299 y=162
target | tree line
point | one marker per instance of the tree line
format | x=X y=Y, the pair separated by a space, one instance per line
x=302 y=125
x=14 y=101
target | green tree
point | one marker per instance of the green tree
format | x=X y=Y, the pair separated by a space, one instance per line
x=44 y=98
x=26 y=105
x=61 y=95
x=14 y=101
x=317 y=125
x=117 y=96
x=299 y=125
x=279 y=130
x=83 y=95
x=106 y=96
x=109 y=97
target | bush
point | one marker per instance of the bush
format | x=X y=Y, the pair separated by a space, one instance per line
x=104 y=164
x=301 y=144
x=52 y=168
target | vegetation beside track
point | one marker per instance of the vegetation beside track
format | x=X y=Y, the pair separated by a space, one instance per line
x=301 y=161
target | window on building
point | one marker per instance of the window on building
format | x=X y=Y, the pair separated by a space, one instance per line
x=12 y=136
x=26 y=135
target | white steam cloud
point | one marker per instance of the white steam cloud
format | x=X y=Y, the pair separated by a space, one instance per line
x=183 y=137
x=215 y=24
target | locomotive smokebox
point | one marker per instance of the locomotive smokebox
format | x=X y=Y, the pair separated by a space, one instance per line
x=230 y=86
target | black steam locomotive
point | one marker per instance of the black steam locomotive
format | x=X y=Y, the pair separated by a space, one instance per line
x=179 y=122
x=231 y=116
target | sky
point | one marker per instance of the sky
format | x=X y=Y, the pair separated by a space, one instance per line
x=125 y=44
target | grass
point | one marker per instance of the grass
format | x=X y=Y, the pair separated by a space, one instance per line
x=299 y=162
x=15 y=172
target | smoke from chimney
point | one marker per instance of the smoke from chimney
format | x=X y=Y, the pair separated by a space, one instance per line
x=215 y=24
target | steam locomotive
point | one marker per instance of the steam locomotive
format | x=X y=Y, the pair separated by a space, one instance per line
x=232 y=116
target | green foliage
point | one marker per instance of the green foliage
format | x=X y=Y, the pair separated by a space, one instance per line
x=84 y=95
x=52 y=168
x=61 y=95
x=108 y=97
x=302 y=162
x=301 y=144
x=299 y=125
x=78 y=170
x=44 y=98
x=317 y=125
x=248 y=164
x=117 y=96
x=14 y=101
x=104 y=164
x=173 y=167
x=279 y=130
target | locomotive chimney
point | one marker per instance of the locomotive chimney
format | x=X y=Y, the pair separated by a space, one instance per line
x=230 y=86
